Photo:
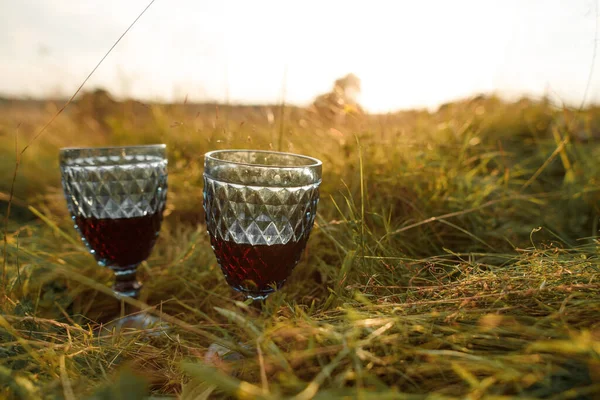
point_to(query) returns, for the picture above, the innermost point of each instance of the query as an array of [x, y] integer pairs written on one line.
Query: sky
[[406, 53]]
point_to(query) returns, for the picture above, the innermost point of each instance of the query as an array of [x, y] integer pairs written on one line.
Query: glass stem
[[126, 284], [258, 304]]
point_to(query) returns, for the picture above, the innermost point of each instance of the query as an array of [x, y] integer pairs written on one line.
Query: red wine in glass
[[257, 270], [120, 242]]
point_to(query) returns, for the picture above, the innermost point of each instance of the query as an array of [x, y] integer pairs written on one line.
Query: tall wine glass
[[260, 207], [116, 197]]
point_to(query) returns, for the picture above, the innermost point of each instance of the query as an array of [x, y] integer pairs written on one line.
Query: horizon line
[[508, 98]]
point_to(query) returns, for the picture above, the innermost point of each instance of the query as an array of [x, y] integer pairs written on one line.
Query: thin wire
[[87, 78]]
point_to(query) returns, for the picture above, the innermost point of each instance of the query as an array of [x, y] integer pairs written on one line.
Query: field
[[455, 255]]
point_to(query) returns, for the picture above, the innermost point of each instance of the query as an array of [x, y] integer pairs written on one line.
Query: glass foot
[[141, 322], [226, 359], [217, 353]]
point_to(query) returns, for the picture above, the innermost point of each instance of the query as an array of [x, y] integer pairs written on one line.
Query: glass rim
[[103, 148], [315, 161]]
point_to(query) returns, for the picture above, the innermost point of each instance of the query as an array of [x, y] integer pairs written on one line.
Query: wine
[[120, 242], [255, 269]]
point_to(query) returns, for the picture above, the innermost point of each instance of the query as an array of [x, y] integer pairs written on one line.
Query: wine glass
[[260, 207], [116, 197]]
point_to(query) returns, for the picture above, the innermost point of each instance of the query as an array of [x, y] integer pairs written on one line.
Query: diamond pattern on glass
[[259, 215], [115, 191], [260, 208]]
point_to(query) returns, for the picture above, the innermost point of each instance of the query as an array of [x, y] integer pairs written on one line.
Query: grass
[[455, 255]]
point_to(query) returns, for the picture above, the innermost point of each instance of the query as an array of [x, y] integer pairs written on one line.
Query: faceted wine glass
[[116, 197], [260, 207]]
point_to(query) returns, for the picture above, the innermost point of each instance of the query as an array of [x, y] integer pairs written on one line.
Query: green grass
[[455, 255]]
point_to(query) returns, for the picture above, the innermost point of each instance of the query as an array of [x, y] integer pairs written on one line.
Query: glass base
[[257, 295], [224, 358], [217, 353], [140, 322]]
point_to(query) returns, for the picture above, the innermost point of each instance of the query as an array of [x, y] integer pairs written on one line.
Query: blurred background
[[407, 54]]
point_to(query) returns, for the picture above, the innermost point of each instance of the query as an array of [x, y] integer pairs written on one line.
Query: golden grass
[[455, 255]]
